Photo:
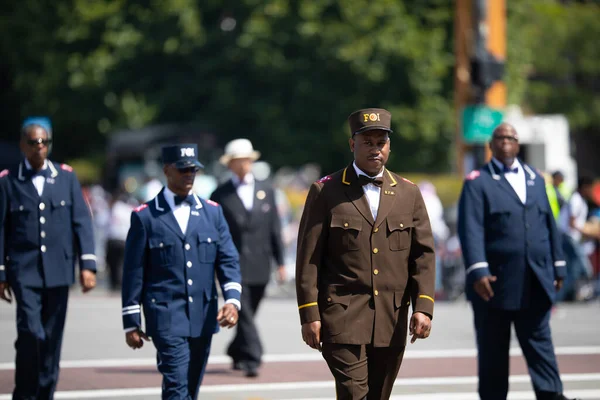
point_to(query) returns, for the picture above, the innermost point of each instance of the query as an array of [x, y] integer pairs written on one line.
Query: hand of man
[[311, 334], [420, 326], [483, 287], [5, 292], [228, 316], [558, 283], [135, 339], [281, 274], [87, 279]]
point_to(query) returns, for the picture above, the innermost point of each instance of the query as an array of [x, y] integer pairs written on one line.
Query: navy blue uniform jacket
[[501, 236], [171, 276], [39, 236]]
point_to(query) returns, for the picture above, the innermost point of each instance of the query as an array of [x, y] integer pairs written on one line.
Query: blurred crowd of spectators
[[577, 216]]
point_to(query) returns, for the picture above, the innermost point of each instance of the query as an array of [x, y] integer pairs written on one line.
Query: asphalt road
[[97, 364]]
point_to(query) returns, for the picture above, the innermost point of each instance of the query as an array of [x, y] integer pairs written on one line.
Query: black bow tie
[[508, 170], [31, 173], [180, 199], [365, 180]]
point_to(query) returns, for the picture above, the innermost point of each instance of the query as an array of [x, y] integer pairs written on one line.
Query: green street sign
[[478, 123]]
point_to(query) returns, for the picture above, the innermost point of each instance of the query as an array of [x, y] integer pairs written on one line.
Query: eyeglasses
[[502, 137], [187, 170], [33, 142]]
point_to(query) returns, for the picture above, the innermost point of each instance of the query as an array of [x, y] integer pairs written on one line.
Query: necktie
[[508, 170], [180, 199], [365, 180]]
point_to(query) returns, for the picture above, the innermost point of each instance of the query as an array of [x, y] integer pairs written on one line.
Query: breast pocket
[[162, 252], [61, 209], [399, 230], [20, 216], [498, 219], [207, 247], [345, 231]]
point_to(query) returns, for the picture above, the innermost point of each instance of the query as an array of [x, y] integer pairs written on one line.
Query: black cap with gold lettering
[[370, 119]]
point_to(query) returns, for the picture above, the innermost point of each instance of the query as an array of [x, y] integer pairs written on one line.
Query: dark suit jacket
[[501, 236], [41, 236], [357, 275], [256, 233]]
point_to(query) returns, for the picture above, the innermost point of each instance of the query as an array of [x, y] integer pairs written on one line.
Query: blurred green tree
[[283, 73]]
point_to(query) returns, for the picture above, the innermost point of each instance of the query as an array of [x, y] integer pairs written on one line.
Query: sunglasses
[[502, 137], [33, 142], [187, 170]]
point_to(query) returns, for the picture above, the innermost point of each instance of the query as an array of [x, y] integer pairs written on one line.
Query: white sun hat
[[239, 148]]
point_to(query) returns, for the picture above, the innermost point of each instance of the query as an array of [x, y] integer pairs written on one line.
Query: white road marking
[[282, 386], [299, 357]]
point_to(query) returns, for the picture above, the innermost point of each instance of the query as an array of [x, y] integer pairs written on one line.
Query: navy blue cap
[[182, 155]]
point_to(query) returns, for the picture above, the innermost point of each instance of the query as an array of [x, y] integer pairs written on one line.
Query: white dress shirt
[[517, 181], [181, 211], [38, 180], [373, 192], [245, 190]]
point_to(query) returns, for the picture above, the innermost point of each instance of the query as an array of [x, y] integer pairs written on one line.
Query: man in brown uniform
[[365, 250]]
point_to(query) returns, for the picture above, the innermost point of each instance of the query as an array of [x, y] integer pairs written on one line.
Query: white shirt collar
[[248, 179], [515, 164], [28, 165], [360, 172]]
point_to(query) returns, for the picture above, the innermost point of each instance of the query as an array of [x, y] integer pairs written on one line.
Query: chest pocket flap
[[61, 203], [346, 229], [161, 250], [207, 246], [399, 230], [346, 222]]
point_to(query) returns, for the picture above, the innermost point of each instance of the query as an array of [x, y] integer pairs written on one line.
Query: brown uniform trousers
[[358, 277]]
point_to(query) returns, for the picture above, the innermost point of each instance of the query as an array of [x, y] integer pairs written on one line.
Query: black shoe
[[251, 372], [562, 397], [552, 396], [237, 365]]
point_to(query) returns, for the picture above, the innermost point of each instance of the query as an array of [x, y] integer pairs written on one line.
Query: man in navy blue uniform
[[514, 266], [175, 245], [44, 221]]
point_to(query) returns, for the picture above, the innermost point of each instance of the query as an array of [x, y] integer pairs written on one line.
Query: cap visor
[[373, 128], [188, 163]]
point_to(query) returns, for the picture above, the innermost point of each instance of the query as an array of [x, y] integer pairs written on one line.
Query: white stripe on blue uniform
[[232, 286], [477, 265]]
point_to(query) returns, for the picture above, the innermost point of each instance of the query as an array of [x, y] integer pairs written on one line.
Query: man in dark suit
[[174, 247], [514, 266], [251, 212], [365, 251], [44, 220]]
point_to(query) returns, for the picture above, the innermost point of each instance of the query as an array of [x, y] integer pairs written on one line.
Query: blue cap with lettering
[[182, 155]]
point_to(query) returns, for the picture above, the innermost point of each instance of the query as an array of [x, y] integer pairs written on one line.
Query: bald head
[[505, 143], [505, 127]]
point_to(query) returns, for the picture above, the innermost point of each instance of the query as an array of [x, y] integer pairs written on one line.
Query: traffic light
[[485, 70]]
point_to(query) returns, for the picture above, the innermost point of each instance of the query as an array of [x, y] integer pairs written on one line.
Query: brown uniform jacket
[[357, 275]]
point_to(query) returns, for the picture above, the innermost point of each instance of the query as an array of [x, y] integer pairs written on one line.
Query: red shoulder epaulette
[[66, 167], [325, 179], [140, 208], [4, 173], [212, 203], [407, 180], [473, 175]]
